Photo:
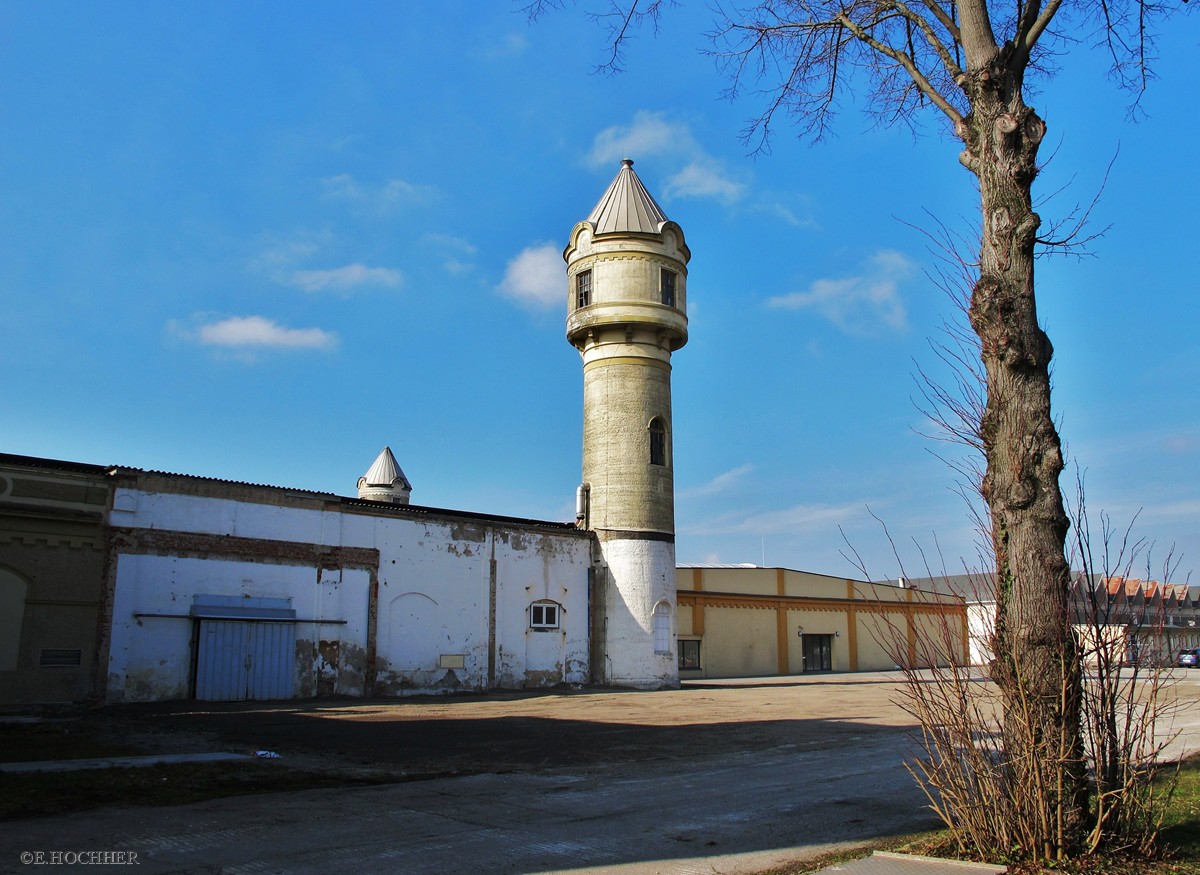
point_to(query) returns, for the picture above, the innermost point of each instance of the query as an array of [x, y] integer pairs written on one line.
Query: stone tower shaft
[[627, 280]]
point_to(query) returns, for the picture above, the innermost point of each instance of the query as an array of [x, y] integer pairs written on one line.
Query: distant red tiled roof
[[1135, 587]]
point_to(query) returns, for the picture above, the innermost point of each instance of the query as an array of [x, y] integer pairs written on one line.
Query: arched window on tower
[[658, 441], [662, 627]]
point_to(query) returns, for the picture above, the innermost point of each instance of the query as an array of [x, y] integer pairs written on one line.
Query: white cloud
[[1180, 444], [511, 45], [280, 260], [704, 177], [281, 253], [536, 276], [457, 252], [721, 483], [450, 242], [693, 172], [862, 304], [649, 134], [690, 170], [393, 193], [248, 333], [773, 206], [789, 520], [343, 279]]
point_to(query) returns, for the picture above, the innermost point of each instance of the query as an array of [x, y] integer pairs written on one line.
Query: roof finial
[[627, 206]]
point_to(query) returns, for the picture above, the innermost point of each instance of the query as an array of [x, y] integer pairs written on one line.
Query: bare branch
[[857, 561], [906, 62], [923, 24], [1028, 34], [946, 20], [1074, 241]]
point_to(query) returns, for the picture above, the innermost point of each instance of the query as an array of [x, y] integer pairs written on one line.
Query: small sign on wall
[[452, 660]]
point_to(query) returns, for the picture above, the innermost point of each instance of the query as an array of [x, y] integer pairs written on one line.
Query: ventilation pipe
[[582, 494]]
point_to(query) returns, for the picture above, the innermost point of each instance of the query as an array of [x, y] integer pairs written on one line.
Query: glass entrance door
[[818, 653]]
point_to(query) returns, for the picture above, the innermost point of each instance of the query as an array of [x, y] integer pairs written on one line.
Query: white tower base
[[639, 613]]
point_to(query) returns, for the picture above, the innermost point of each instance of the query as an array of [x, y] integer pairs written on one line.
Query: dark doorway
[[818, 653]]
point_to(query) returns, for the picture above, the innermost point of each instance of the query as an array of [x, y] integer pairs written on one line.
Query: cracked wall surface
[[384, 601]]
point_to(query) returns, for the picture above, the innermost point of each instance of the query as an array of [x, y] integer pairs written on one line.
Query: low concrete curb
[[887, 863]]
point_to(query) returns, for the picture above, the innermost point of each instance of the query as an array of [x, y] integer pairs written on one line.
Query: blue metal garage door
[[245, 659], [246, 649]]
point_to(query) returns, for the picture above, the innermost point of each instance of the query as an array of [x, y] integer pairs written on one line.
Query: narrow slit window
[[658, 442], [583, 288], [668, 287]]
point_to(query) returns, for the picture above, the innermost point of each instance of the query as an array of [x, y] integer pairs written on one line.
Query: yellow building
[[746, 621]]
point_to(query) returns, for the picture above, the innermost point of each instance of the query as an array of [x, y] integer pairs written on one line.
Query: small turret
[[384, 481]]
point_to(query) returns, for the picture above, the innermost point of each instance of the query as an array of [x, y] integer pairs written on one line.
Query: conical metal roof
[[627, 207], [386, 472]]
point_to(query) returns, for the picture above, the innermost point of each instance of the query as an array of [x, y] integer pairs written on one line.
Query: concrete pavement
[[739, 815], [689, 785]]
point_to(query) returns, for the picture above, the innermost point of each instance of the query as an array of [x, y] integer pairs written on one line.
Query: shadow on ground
[[383, 734]]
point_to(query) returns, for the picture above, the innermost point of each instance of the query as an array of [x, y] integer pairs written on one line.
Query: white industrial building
[[230, 591]]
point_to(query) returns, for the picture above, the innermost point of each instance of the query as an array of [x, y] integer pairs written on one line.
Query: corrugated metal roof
[[52, 464], [380, 508], [976, 588], [375, 507], [129, 471], [386, 472], [627, 207]]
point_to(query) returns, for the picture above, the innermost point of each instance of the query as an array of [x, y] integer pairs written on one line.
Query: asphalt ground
[[724, 777], [570, 728]]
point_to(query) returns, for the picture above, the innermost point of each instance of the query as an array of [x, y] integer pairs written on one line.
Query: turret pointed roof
[[627, 207], [386, 472]]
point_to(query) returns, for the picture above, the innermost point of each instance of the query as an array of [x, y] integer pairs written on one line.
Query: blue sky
[[259, 242]]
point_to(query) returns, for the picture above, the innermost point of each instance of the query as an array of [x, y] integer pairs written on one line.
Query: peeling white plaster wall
[[150, 658], [434, 625]]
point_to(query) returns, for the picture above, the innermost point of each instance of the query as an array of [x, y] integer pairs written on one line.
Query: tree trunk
[[1035, 665]]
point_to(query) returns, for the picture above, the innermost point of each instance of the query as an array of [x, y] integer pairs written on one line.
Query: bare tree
[[967, 62]]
